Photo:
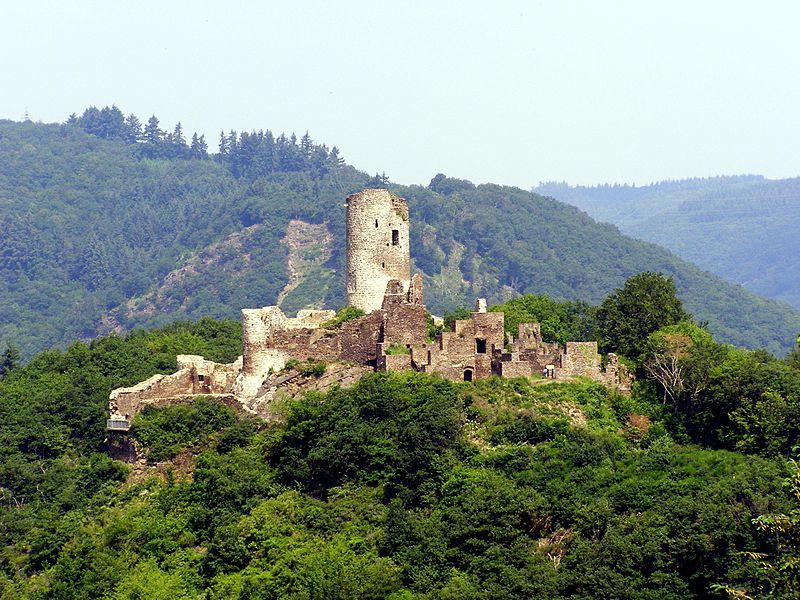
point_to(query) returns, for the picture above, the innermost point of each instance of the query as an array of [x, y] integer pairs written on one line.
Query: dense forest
[[410, 486], [742, 228], [109, 222]]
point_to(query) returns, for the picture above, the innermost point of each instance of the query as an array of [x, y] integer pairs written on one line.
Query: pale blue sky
[[508, 92]]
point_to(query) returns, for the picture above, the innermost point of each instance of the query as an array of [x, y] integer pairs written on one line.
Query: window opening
[[480, 346], [467, 374], [395, 237]]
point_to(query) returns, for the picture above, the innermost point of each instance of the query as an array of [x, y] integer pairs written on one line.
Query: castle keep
[[392, 335], [377, 247]]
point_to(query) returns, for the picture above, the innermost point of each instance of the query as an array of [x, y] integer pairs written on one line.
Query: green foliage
[[313, 369], [387, 429], [9, 360], [396, 349], [560, 321], [165, 431], [458, 314], [348, 313], [793, 359], [432, 329], [404, 485], [646, 303], [740, 227]]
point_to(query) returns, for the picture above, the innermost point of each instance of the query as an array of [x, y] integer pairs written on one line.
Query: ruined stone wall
[[580, 359], [304, 344], [403, 323], [394, 362], [359, 339], [488, 326], [514, 369], [470, 347], [377, 247], [616, 374], [207, 376], [265, 332], [195, 376]]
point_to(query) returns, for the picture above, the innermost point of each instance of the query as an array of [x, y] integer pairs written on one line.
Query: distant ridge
[[743, 228]]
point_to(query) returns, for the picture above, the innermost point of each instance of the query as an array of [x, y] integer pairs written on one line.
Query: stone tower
[[377, 247]]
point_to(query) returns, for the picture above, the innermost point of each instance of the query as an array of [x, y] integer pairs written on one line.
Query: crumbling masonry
[[392, 335]]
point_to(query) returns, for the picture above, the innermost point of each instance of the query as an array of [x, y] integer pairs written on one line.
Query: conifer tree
[[132, 131], [153, 138], [9, 359], [223, 144]]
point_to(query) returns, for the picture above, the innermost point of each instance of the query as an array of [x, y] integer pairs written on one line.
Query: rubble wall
[[580, 359]]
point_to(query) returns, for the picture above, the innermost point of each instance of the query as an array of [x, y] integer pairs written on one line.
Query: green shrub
[[313, 369], [396, 349], [348, 313], [166, 430]]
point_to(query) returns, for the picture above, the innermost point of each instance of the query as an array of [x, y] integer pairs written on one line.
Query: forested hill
[[107, 225], [742, 228]]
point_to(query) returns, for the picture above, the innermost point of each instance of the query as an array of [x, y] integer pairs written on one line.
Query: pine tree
[[132, 132], [152, 132], [176, 143], [335, 159], [306, 146], [153, 138], [9, 359], [223, 144], [198, 148]]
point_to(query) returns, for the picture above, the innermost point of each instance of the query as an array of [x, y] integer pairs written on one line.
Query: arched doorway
[[467, 374]]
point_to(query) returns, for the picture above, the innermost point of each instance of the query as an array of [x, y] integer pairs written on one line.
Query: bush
[[166, 430], [348, 313]]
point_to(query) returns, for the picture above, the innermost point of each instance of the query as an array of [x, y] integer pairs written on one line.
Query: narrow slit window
[[376, 223], [395, 237]]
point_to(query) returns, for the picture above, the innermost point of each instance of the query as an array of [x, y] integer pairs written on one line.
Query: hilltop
[[742, 228], [100, 233]]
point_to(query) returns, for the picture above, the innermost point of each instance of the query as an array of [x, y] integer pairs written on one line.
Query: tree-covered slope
[[742, 228], [402, 486], [111, 230]]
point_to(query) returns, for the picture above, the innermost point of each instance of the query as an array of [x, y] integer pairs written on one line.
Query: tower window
[[376, 223], [480, 346], [395, 237], [383, 265]]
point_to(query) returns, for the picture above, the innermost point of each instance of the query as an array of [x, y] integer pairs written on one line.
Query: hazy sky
[[508, 92]]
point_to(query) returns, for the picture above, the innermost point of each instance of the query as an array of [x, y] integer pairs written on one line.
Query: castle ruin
[[392, 334]]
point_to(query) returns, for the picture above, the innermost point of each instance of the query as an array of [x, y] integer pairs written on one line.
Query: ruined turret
[[377, 247]]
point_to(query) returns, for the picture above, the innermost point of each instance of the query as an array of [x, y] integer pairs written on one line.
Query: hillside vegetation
[[742, 228], [106, 225], [407, 485]]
